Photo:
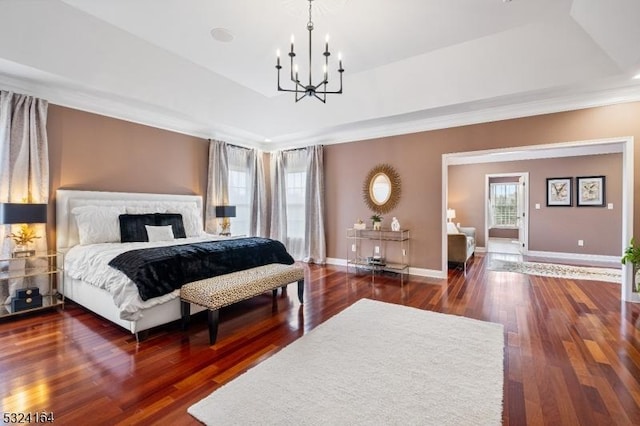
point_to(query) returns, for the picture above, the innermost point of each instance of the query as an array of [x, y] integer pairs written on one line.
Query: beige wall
[[418, 159], [94, 152], [89, 151], [552, 229]]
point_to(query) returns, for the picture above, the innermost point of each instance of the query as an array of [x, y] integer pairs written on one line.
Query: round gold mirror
[[381, 188]]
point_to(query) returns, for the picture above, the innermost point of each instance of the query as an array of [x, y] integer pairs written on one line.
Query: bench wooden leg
[[301, 290], [185, 313], [213, 325]]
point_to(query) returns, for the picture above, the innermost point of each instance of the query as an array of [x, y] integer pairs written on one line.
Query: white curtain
[[217, 184], [258, 224], [278, 227], [297, 216], [315, 246], [249, 191], [24, 161]]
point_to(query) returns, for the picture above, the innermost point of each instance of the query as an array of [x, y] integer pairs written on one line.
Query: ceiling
[[410, 65]]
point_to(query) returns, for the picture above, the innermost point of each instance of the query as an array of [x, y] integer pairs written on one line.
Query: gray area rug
[[559, 271], [374, 363]]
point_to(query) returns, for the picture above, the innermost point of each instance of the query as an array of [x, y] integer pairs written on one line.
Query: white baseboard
[[574, 256], [480, 249], [335, 261], [419, 272]]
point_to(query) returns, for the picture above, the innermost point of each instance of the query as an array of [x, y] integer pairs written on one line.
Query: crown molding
[[90, 100]]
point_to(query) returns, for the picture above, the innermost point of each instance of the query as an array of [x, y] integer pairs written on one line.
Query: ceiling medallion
[[319, 91]]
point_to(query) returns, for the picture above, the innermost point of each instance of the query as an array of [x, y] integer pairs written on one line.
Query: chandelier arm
[[324, 101]]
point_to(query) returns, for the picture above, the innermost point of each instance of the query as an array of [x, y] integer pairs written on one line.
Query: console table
[[378, 250]]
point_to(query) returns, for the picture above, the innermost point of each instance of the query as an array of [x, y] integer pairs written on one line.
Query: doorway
[[624, 145], [507, 212]]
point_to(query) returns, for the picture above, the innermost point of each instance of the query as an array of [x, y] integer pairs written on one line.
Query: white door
[[522, 211]]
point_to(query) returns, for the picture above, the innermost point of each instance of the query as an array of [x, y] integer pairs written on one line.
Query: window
[[239, 197], [504, 204], [295, 183], [239, 189]]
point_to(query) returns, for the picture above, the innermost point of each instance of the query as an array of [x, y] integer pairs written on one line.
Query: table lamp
[[225, 212], [451, 214], [23, 214]]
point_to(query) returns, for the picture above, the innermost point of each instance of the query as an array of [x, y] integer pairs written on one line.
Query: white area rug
[[374, 363], [559, 271]]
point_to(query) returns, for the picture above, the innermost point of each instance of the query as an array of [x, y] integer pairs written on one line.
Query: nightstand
[[31, 283]]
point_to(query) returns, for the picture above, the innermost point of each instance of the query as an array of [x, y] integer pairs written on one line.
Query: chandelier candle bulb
[[292, 38], [326, 44]]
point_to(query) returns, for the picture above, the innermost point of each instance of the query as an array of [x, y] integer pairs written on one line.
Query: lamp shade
[[451, 213], [11, 213], [225, 211]]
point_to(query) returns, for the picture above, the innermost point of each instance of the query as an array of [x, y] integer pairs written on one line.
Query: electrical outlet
[[353, 247], [580, 243], [376, 250]]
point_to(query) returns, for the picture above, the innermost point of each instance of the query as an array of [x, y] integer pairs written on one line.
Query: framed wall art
[[559, 192], [590, 191]]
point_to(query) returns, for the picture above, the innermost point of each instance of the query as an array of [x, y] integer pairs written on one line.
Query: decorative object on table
[[23, 214], [225, 212], [591, 191], [381, 188], [451, 214], [26, 298], [360, 225], [395, 225], [301, 90], [632, 256], [376, 219], [559, 192], [376, 261]]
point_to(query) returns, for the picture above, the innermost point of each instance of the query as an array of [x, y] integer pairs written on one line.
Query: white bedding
[[90, 263]]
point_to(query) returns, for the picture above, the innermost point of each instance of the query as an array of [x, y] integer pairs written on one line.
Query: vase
[[376, 226], [22, 250]]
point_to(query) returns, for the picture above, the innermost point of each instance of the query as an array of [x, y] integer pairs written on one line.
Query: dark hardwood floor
[[572, 348]]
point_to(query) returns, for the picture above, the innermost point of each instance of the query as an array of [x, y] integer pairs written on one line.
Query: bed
[[86, 237]]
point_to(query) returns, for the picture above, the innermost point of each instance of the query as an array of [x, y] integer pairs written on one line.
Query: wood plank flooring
[[572, 348]]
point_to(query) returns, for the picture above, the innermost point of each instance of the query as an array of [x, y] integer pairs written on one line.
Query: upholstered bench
[[217, 292]]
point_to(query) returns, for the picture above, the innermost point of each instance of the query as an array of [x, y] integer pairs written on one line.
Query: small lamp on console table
[[451, 214], [23, 214], [225, 212]]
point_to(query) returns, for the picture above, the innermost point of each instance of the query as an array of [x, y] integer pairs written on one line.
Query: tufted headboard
[[67, 200]]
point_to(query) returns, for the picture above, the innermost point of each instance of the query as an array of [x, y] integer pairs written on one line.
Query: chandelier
[[319, 91]]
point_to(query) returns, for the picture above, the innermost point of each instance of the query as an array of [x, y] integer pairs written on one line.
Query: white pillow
[[159, 233], [98, 224], [191, 218], [452, 228]]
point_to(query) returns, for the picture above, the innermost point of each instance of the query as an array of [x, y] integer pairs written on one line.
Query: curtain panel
[[298, 215], [217, 184], [24, 165], [224, 157]]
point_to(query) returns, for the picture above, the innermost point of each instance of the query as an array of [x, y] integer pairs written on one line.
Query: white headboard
[[66, 199]]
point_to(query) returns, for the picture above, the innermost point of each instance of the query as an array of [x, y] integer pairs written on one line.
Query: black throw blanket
[[160, 270]]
